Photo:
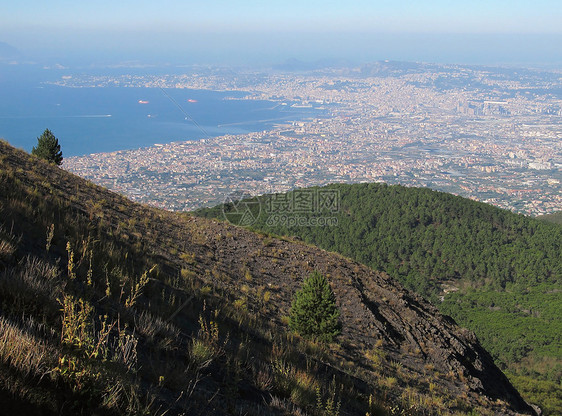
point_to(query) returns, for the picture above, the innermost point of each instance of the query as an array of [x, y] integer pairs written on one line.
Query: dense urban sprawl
[[490, 134]]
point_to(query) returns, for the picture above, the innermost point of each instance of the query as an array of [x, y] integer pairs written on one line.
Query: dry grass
[[6, 250], [263, 377], [157, 332], [31, 275], [22, 350], [298, 384], [31, 287], [286, 406]]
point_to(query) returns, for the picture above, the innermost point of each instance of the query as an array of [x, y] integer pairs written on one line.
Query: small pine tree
[[314, 313], [48, 148]]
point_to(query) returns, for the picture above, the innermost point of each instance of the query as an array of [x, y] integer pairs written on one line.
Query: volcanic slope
[[495, 272], [112, 307]]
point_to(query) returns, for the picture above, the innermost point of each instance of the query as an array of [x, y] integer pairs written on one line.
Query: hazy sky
[[273, 29]]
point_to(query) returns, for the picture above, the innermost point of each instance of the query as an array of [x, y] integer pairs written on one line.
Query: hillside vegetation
[[495, 272], [555, 218], [110, 307]]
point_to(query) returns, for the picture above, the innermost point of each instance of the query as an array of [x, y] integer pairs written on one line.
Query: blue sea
[[106, 119]]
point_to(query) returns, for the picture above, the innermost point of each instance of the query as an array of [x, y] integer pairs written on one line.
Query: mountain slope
[[120, 308], [555, 217], [8, 52], [495, 272]]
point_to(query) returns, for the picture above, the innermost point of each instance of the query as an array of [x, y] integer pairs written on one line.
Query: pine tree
[[48, 148], [314, 313]]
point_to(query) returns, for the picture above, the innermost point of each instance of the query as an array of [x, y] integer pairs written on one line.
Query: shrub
[[314, 313]]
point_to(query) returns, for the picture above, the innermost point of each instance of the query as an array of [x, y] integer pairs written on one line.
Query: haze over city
[[255, 32]]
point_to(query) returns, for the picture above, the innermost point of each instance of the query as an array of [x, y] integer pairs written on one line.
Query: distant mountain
[[397, 68], [495, 272], [111, 307], [296, 65], [374, 69], [8, 52]]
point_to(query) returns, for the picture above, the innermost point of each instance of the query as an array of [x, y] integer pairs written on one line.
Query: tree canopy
[[314, 312], [48, 148]]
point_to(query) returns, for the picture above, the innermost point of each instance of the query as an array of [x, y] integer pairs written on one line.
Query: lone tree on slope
[[48, 148], [314, 313]]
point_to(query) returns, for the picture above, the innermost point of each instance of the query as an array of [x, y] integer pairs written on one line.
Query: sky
[[273, 30]]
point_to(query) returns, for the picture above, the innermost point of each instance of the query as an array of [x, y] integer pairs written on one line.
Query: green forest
[[495, 272], [555, 217]]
